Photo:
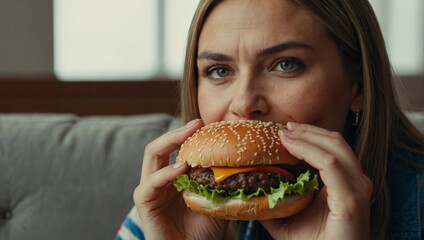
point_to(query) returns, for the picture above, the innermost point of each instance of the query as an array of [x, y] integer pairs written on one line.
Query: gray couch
[[68, 177]]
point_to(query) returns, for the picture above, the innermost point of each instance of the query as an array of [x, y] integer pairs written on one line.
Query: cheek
[[320, 106], [209, 108], [203, 102], [303, 106], [203, 105]]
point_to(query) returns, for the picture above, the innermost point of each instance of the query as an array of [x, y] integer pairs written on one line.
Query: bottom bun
[[254, 209]]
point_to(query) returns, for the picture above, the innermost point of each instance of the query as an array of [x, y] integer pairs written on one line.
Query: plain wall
[[26, 37]]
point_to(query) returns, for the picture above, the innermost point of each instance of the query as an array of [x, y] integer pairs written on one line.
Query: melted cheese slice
[[222, 173]]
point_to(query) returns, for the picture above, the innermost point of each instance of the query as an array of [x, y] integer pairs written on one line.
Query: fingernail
[[178, 164], [191, 123], [285, 135], [292, 125]]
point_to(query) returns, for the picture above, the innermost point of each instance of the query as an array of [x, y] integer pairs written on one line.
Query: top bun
[[235, 144]]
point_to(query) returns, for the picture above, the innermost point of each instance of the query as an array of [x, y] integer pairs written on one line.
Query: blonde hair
[[188, 85], [353, 26]]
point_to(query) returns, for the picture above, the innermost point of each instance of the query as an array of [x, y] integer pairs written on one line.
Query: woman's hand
[[341, 209], [160, 206]]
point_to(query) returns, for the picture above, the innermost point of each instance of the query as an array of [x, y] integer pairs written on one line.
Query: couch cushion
[[69, 177]]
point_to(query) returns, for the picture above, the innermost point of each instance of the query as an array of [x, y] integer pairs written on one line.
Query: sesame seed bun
[[254, 209], [235, 144]]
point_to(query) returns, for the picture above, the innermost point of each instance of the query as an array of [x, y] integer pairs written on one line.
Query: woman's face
[[272, 61]]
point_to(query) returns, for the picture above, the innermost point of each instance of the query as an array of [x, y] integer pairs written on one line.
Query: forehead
[[268, 22]]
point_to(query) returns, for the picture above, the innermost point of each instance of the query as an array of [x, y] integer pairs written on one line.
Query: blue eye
[[219, 72], [288, 65]]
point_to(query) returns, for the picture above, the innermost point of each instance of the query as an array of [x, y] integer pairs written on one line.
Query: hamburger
[[239, 170]]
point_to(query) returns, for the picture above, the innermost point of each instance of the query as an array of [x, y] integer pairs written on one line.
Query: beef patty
[[249, 181]]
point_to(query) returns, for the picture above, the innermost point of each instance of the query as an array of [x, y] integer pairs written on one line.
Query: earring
[[356, 121]]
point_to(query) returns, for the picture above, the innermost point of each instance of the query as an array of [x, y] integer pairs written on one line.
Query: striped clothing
[[131, 228]]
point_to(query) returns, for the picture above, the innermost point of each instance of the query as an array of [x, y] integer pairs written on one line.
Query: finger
[[331, 142], [332, 171], [334, 144], [320, 133], [293, 126], [153, 186], [156, 155], [314, 156], [346, 189]]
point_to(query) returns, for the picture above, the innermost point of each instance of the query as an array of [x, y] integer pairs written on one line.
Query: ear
[[357, 103]]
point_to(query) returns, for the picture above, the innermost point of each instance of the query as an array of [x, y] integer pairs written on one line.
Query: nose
[[249, 101]]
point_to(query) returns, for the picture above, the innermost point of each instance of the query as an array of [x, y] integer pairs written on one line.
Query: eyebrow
[[214, 56], [284, 46], [262, 53]]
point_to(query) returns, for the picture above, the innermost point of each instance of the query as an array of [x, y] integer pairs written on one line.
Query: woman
[[320, 67]]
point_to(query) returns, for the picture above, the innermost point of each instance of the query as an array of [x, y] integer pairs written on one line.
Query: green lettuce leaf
[[303, 184]]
